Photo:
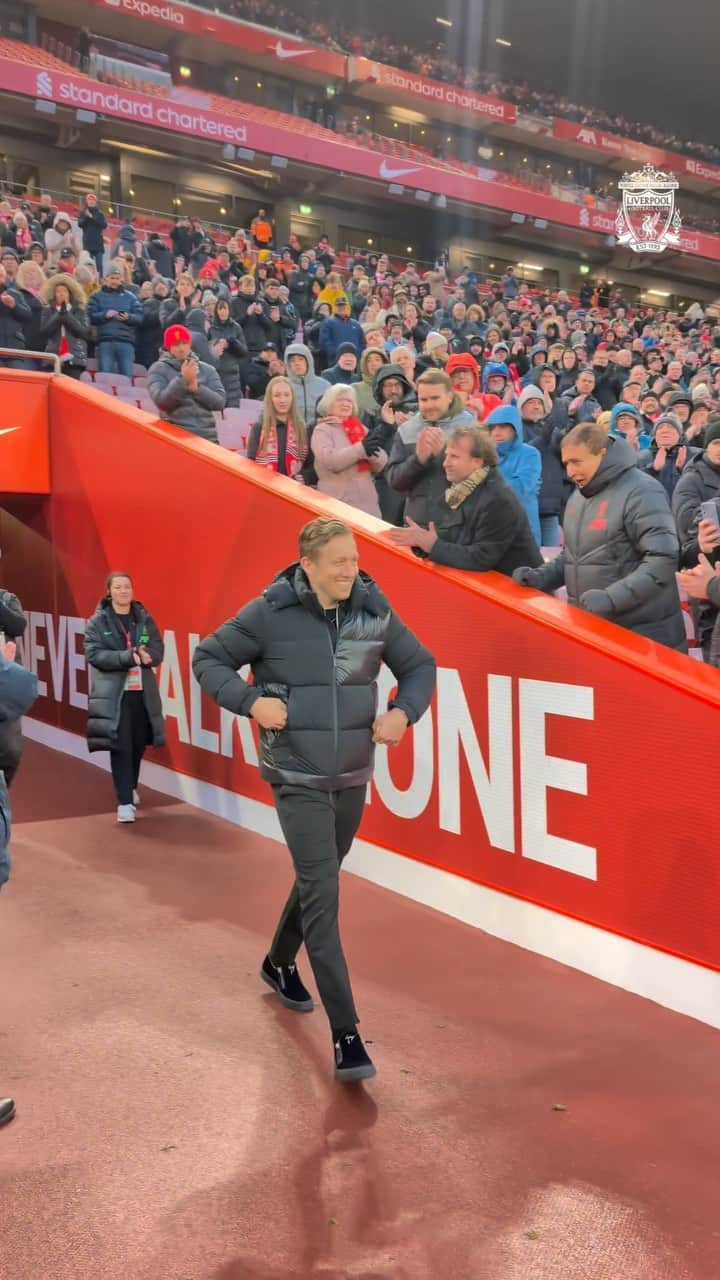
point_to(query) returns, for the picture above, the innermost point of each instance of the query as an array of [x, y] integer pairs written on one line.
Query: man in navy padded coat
[[315, 641]]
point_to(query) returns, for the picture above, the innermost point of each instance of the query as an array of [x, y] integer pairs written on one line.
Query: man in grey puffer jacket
[[415, 467], [308, 386], [621, 547], [315, 641], [187, 391]]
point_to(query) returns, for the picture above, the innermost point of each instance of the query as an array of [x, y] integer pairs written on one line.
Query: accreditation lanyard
[[133, 680]]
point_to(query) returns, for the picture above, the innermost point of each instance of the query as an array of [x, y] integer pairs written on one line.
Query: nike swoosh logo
[[387, 172], [282, 52], [7, 430]]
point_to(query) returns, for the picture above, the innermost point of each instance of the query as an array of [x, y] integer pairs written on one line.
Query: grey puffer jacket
[[18, 691], [620, 538], [328, 684], [310, 388], [109, 661], [191, 410], [423, 483]]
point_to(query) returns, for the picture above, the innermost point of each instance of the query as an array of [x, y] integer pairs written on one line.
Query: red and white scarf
[[354, 431], [293, 458]]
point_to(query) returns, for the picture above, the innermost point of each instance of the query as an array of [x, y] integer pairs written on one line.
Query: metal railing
[[14, 354]]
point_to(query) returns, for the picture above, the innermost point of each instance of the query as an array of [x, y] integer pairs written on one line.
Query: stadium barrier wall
[[564, 764]]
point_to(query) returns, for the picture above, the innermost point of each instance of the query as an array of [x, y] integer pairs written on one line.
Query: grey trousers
[[319, 828]]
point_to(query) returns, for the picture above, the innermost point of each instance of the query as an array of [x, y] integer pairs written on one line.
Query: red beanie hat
[[176, 333], [463, 360]]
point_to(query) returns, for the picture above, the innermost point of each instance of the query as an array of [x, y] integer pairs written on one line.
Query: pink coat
[[336, 464]]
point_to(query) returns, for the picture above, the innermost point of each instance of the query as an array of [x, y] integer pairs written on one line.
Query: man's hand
[[389, 728], [527, 577], [189, 371], [387, 413], [576, 404], [414, 535], [110, 315], [597, 602], [708, 536], [7, 299], [9, 650], [423, 450], [437, 440], [681, 458], [660, 460], [270, 713], [694, 582]]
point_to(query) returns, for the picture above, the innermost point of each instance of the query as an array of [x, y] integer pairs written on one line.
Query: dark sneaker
[[285, 982], [352, 1061], [7, 1110]]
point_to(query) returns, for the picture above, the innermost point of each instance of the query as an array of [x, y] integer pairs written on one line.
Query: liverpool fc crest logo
[[648, 221]]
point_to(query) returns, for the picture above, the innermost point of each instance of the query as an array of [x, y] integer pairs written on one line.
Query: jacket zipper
[[334, 665]]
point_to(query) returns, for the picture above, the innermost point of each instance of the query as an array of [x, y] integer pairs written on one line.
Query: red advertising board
[[633, 152], [24, 446], [609, 143], [204, 116], [245, 36], [536, 769], [409, 85], [697, 168]]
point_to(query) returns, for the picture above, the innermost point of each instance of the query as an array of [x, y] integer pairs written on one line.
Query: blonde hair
[[326, 404], [270, 418], [316, 535], [31, 277]]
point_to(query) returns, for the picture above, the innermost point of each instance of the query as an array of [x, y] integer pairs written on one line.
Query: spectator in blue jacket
[[543, 428], [117, 314], [579, 400], [519, 464], [627, 422], [340, 328], [668, 453]]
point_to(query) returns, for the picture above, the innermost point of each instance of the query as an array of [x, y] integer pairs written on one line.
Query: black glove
[[597, 602], [371, 443], [528, 577]]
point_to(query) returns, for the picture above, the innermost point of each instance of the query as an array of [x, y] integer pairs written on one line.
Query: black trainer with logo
[[287, 985], [352, 1061]]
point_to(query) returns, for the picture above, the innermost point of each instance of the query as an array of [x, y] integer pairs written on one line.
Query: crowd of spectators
[[436, 65], [478, 417]]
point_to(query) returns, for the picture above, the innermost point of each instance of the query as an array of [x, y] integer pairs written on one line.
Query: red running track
[[175, 1123]]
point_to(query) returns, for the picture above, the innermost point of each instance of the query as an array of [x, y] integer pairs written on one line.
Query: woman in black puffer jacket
[[122, 645], [228, 345], [64, 328]]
